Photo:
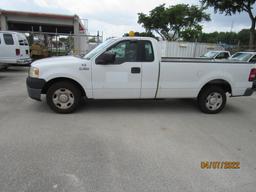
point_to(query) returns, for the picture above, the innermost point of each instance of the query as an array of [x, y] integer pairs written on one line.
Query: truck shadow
[[139, 105], [170, 105], [144, 106], [15, 69]]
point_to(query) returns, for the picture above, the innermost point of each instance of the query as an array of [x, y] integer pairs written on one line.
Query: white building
[[48, 24]]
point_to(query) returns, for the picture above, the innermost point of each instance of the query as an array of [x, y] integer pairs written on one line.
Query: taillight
[[17, 52], [252, 75]]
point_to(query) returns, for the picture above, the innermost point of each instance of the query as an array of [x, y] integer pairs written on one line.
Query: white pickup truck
[[131, 68]]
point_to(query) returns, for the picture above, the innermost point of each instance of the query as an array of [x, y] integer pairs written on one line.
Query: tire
[[63, 97], [212, 100]]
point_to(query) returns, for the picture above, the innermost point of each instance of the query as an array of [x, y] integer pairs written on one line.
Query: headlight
[[34, 72]]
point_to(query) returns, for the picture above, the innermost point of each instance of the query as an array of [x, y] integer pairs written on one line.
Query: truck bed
[[182, 77]]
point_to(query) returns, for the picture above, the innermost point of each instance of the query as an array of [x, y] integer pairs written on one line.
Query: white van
[[14, 49]]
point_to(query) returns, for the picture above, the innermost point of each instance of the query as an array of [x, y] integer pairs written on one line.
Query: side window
[[147, 52], [220, 56], [125, 51], [8, 39], [253, 60], [226, 55]]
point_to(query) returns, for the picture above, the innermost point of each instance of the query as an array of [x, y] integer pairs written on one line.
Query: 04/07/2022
[[220, 165]]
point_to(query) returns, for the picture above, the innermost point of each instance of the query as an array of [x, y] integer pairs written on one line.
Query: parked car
[[244, 56], [132, 68], [247, 57], [14, 49], [216, 55]]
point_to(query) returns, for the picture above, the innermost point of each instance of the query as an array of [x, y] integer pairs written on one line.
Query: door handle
[[135, 70]]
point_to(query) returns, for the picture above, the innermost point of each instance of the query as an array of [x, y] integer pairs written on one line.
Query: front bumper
[[34, 87], [26, 61]]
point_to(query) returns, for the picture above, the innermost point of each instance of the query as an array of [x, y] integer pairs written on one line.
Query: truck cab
[[125, 68]]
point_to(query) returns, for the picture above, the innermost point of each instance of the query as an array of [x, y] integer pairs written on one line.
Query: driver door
[[121, 78]]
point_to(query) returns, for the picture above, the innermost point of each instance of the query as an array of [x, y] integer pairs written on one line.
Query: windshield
[[210, 54], [101, 46], [241, 56]]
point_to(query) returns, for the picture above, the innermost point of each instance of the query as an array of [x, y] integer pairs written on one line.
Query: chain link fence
[[43, 44]]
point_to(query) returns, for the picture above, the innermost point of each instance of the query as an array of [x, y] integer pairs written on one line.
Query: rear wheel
[[212, 100], [63, 97]]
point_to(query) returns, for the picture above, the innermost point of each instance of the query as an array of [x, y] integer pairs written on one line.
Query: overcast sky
[[116, 17]]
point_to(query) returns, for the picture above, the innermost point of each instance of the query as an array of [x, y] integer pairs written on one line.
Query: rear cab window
[[146, 51], [8, 39]]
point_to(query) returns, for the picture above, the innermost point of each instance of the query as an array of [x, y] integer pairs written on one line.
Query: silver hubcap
[[63, 98], [214, 101]]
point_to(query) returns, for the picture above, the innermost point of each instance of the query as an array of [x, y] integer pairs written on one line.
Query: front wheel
[[63, 97], [212, 100]]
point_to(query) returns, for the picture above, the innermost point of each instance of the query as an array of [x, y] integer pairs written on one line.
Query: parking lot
[[115, 146]]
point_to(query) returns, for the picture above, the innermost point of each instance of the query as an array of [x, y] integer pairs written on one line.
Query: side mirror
[[106, 58]]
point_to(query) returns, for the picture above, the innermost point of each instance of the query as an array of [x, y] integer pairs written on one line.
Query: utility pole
[[232, 26]]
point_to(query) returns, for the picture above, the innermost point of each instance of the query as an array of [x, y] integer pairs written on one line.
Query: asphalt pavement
[[122, 146]]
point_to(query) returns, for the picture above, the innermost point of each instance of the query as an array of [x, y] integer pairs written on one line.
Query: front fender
[[69, 71], [85, 85]]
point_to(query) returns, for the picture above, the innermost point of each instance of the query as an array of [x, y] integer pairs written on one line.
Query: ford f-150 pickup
[[132, 68]]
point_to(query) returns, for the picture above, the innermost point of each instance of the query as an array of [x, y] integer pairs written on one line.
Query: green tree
[[244, 36], [142, 34], [230, 38], [171, 22], [192, 34], [230, 7], [145, 34], [92, 40], [209, 37]]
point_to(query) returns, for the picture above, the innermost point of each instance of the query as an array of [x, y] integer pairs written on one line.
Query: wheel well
[[52, 81], [219, 83]]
